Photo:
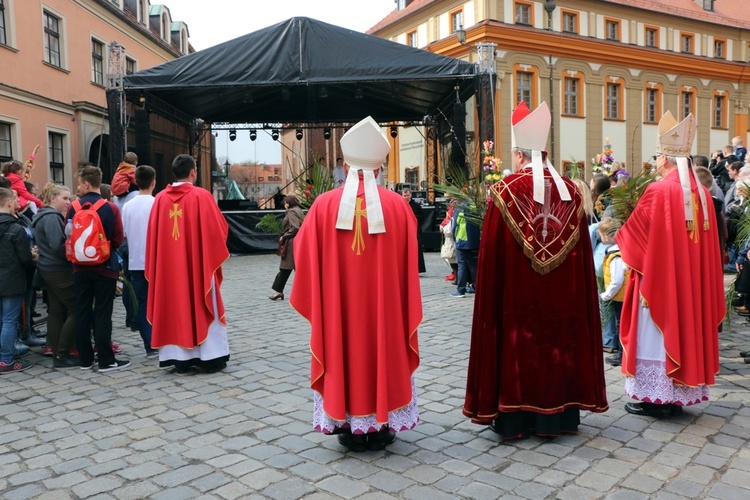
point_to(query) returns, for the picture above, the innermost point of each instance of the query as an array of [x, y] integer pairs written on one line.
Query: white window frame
[[62, 37], [98, 40], [66, 153]]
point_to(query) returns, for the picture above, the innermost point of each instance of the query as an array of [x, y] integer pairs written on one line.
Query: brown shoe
[[277, 296]]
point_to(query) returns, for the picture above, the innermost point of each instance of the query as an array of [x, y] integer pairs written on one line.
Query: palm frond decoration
[[269, 223], [623, 199], [318, 180], [469, 193]]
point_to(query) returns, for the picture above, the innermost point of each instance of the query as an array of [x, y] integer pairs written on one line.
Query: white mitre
[[676, 139], [529, 130], [365, 148]]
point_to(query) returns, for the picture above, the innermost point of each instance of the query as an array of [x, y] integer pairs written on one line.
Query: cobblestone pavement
[[246, 432]]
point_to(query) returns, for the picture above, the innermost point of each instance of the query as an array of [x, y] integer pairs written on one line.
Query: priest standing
[[535, 356], [185, 248], [357, 283], [674, 300]]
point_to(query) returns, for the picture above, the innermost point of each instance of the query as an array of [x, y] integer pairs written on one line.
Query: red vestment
[[678, 274], [536, 339], [361, 294], [185, 247]]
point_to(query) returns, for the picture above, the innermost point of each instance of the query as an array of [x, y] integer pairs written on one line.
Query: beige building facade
[[55, 56], [616, 66]]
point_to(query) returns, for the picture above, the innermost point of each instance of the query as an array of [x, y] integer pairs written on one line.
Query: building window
[[6, 146], [572, 94], [97, 62], [3, 34], [411, 39], [651, 37], [56, 158], [570, 21], [457, 20], [687, 102], [524, 12], [652, 104], [130, 66], [401, 4], [524, 88], [411, 176], [52, 40], [719, 48], [708, 5], [686, 43], [614, 100], [719, 111], [612, 29]]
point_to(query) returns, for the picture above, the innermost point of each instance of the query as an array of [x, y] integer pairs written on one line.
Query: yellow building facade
[[615, 67]]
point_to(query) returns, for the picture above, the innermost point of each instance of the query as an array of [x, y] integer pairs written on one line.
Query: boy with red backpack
[[94, 232]]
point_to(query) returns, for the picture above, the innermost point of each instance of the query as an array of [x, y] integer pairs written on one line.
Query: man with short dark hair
[[135, 217], [95, 285], [185, 248]]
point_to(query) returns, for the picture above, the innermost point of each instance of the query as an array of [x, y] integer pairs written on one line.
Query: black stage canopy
[[306, 71]]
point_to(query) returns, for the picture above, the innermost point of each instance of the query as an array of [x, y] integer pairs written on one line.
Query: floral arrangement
[[472, 193], [490, 166], [316, 180], [29, 165], [602, 163]]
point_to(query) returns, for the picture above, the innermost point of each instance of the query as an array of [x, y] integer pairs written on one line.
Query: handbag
[[281, 250], [742, 284]]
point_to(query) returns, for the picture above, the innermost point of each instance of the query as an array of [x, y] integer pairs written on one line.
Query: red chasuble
[[185, 247], [678, 274], [361, 294], [536, 341]]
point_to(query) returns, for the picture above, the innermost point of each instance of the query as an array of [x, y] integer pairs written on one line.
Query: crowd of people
[[358, 258], [78, 249]]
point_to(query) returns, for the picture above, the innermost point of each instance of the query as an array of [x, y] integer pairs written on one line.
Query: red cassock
[[185, 247], [536, 337], [678, 274], [361, 294]]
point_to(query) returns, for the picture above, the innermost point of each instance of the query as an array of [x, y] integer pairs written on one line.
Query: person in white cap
[[674, 300], [535, 356], [357, 284]]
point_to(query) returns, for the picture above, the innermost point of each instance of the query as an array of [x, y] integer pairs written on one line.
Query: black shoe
[[653, 410], [66, 362], [745, 354], [214, 367], [379, 440], [615, 359], [355, 442], [747, 360], [118, 364], [32, 340]]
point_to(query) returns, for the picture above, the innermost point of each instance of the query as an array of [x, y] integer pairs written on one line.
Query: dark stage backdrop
[[245, 239]]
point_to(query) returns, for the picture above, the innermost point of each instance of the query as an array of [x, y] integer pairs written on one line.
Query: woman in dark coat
[[289, 227]]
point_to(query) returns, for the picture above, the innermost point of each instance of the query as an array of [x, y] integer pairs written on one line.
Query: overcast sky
[[211, 22]]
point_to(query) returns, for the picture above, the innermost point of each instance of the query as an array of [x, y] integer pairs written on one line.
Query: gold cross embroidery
[[358, 244], [675, 135], [694, 233], [174, 214]]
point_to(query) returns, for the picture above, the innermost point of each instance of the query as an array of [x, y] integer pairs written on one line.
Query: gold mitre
[[676, 139]]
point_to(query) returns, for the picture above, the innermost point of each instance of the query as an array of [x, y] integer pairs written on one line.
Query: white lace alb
[[652, 385], [402, 419]]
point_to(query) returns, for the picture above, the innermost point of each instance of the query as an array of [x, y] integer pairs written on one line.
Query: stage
[[244, 238]]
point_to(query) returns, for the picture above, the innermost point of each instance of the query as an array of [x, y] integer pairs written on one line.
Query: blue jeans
[[467, 268], [611, 330], [140, 288], [10, 309]]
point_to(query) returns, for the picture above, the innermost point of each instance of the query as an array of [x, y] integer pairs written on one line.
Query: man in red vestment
[[674, 300], [535, 357], [357, 283], [185, 247]]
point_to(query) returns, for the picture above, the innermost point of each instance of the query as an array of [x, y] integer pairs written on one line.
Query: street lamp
[[227, 165], [550, 7]]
